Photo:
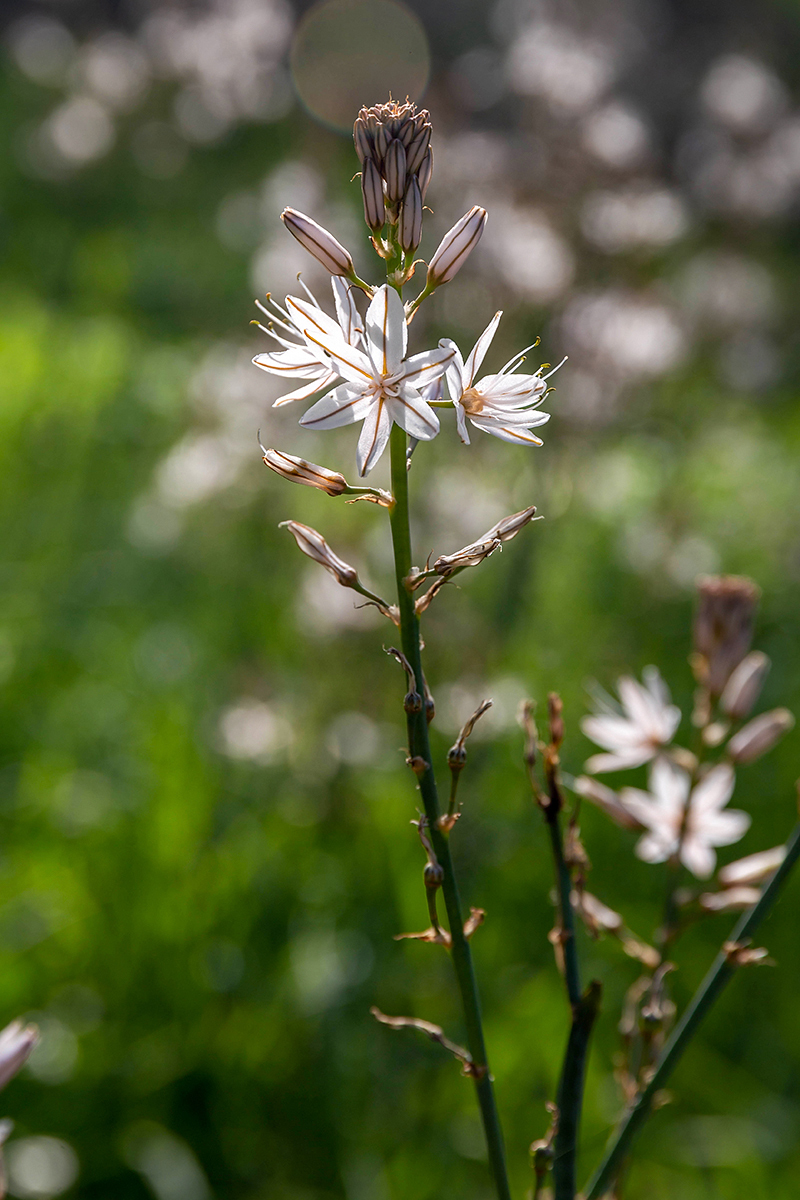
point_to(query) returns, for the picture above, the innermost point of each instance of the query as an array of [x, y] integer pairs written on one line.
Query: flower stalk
[[419, 750], [719, 975]]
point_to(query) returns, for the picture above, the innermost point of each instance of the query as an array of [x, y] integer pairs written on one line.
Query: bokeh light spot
[[347, 53]]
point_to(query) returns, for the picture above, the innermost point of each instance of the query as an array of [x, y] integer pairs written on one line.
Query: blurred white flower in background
[[533, 259], [253, 730], [567, 70], [632, 336], [639, 217], [40, 1167], [636, 731], [617, 135], [743, 93]]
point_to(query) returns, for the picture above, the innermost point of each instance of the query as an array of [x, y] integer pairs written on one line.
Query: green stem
[[566, 913], [722, 970], [570, 1093], [419, 747]]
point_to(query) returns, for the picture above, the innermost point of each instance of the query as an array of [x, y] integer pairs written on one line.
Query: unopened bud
[[753, 869], [412, 702], [456, 247], [16, 1043], [760, 735], [735, 899], [456, 756], [744, 686], [606, 799], [394, 170], [723, 627], [372, 193], [319, 242], [425, 173], [409, 227], [361, 139], [314, 545], [308, 473], [418, 149]]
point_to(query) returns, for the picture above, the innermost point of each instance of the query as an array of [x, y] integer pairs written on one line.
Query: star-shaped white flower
[[382, 386], [672, 829], [504, 404], [637, 732], [300, 359]]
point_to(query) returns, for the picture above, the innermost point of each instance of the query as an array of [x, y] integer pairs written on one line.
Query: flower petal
[[478, 352], [387, 333], [413, 414], [343, 406], [669, 784], [422, 369], [307, 390], [324, 334], [349, 317], [724, 828], [698, 857], [505, 434], [373, 437], [652, 849], [713, 791]]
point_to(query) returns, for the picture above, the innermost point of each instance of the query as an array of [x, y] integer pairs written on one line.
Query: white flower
[[634, 735], [501, 404], [382, 386], [301, 359], [16, 1042], [684, 824]]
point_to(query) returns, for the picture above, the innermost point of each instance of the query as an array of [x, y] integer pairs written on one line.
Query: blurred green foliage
[[200, 935]]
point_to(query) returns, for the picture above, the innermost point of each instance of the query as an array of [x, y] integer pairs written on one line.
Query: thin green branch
[[566, 914], [718, 976], [419, 749], [570, 1093]]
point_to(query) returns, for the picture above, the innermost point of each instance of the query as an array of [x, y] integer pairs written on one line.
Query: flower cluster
[[683, 814], [359, 367]]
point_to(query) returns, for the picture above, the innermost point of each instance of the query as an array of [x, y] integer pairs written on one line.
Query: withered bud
[[314, 545], [723, 627], [412, 702], [759, 735], [744, 686], [555, 708], [457, 754], [298, 470], [753, 869], [740, 954], [433, 875], [476, 552]]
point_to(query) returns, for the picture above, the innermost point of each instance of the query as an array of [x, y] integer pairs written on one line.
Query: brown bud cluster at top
[[393, 144], [723, 628]]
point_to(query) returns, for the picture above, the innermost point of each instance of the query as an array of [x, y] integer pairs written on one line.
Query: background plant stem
[[419, 746], [719, 974]]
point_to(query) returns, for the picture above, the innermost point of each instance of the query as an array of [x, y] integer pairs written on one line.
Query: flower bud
[[607, 800], [425, 172], [319, 242], [736, 899], [743, 688], [409, 229], [723, 627], [456, 246], [753, 869], [314, 545], [760, 735], [299, 471], [433, 875], [381, 143], [418, 149], [16, 1043], [372, 193], [394, 170], [361, 139]]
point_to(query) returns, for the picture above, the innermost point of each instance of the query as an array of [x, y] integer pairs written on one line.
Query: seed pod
[[409, 230], [394, 170], [319, 242], [425, 172], [456, 247], [372, 193], [418, 149]]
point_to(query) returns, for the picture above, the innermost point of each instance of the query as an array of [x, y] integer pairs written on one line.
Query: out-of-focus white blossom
[[678, 822], [503, 404], [638, 731], [381, 385], [16, 1043], [753, 869]]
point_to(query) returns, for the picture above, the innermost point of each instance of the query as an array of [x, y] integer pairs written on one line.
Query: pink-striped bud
[[742, 689], [317, 241], [456, 247], [425, 172], [394, 170], [409, 227], [760, 735], [297, 470], [372, 193]]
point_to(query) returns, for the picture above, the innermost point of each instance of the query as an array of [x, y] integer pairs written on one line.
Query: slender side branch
[[718, 976], [420, 753]]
